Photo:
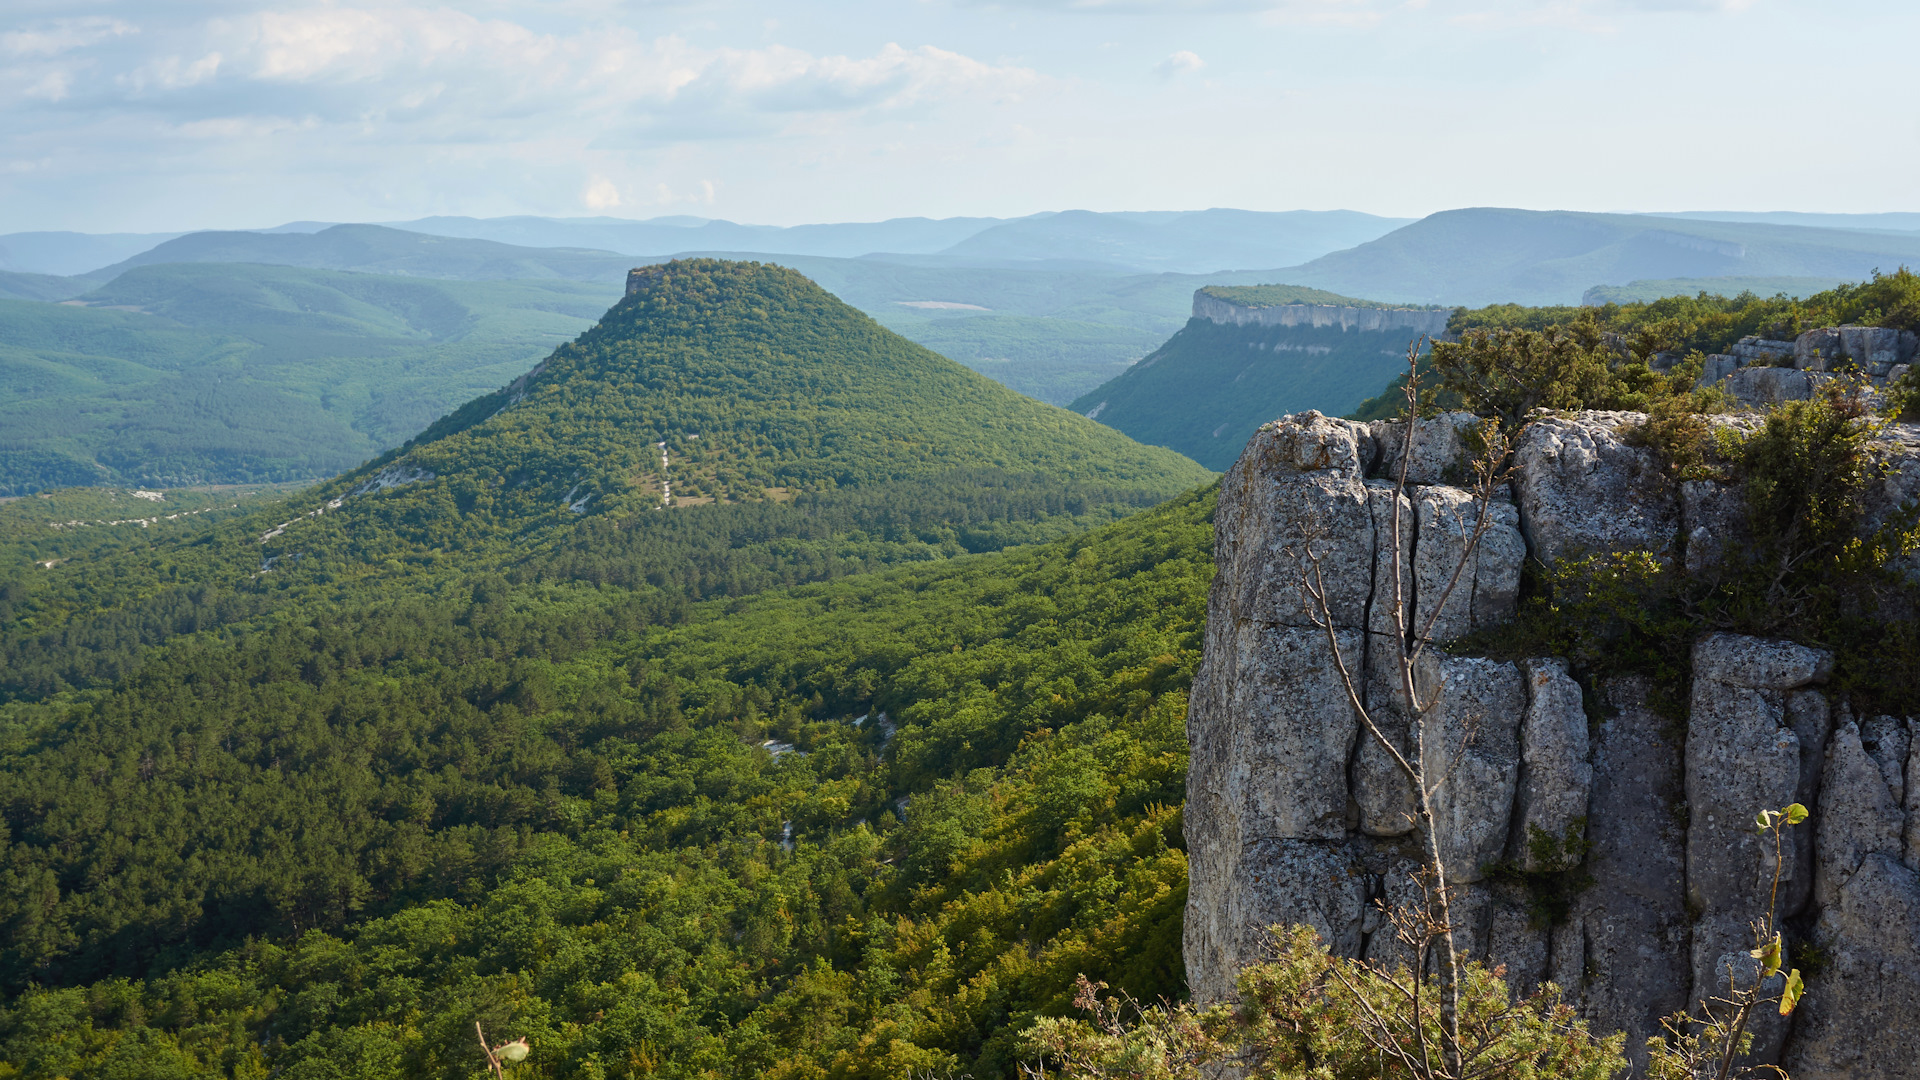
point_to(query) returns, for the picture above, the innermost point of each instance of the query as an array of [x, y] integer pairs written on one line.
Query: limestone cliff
[[1293, 815], [1432, 322]]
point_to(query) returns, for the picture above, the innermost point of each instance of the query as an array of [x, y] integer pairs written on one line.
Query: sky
[[167, 115]]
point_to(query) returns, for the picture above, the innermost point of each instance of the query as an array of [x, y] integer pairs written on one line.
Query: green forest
[[327, 848], [846, 758], [1703, 323], [200, 373], [1211, 386], [843, 760]]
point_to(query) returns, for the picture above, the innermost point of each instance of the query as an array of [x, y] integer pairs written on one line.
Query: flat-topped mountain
[[743, 382], [1250, 353]]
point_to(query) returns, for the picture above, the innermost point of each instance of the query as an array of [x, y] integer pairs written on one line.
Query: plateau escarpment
[[1597, 822], [1240, 306], [1253, 352]]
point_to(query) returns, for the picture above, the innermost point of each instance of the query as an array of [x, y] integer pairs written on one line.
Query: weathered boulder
[[1757, 350], [1443, 449], [1757, 387], [1718, 366], [1759, 663], [1556, 772], [1583, 490], [1261, 542], [1886, 740], [1713, 523], [1473, 751], [1273, 881], [1857, 817], [1487, 588], [1278, 769]]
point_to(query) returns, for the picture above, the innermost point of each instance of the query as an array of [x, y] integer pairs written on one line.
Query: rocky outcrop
[[1757, 373], [1295, 813], [1228, 313], [1585, 491]]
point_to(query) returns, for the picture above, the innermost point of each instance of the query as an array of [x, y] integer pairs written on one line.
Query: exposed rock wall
[[1756, 372], [1346, 318], [1296, 814]]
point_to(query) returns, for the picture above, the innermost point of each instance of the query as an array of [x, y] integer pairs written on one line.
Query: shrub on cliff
[[1307, 1013], [1597, 357]]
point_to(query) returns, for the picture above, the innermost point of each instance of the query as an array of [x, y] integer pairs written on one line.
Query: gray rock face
[[1227, 313], [1623, 955], [1274, 882], [1872, 349], [1442, 448], [1755, 350], [1758, 663], [1584, 491], [1556, 771], [1743, 755], [1473, 745], [1757, 387], [1718, 366], [1295, 814], [1713, 521], [1486, 589], [1861, 1014]]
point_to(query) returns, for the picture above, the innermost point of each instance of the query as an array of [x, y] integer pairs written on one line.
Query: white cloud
[[63, 36], [601, 194], [1179, 63], [1586, 15], [1308, 10], [449, 76]]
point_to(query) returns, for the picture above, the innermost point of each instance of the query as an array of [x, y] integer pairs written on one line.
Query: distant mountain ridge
[[192, 373], [1480, 256], [378, 250]]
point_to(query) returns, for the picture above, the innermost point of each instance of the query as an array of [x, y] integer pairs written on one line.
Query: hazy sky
[[176, 114]]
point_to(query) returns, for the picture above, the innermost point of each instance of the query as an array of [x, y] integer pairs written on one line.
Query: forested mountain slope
[[1238, 364], [802, 441], [867, 828]]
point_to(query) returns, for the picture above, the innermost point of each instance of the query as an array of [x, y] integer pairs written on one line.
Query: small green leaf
[[1796, 814], [1769, 956], [1764, 819], [1791, 995]]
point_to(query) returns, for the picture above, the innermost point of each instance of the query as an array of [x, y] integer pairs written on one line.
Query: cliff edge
[[1639, 902]]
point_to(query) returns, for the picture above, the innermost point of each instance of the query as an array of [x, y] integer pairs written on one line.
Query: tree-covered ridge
[[878, 452], [327, 850], [222, 373], [758, 378], [1682, 325], [1259, 296], [761, 386]]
